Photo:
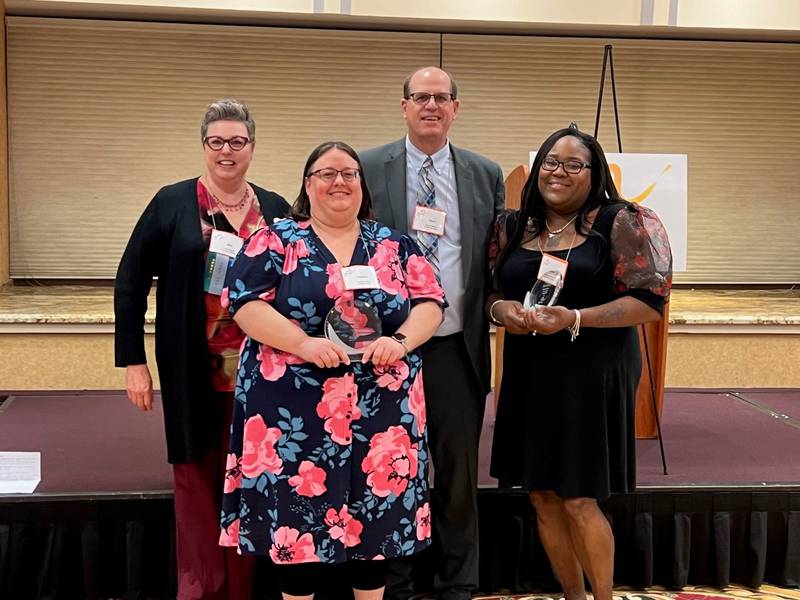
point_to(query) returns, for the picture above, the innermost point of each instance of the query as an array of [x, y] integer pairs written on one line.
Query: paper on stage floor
[[20, 472]]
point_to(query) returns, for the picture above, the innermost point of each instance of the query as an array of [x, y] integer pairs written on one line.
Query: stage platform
[[100, 523], [56, 337]]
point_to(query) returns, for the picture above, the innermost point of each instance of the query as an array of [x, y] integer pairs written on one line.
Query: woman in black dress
[[565, 420]]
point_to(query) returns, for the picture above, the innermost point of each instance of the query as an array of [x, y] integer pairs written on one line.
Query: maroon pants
[[206, 570]]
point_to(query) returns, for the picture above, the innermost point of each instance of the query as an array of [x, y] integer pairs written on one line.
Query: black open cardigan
[[167, 243]]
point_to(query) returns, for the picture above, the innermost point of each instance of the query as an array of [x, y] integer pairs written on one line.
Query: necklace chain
[[554, 232], [231, 207], [571, 244]]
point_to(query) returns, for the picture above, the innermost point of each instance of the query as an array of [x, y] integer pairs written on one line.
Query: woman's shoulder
[[267, 194], [171, 201], [379, 231], [288, 229]]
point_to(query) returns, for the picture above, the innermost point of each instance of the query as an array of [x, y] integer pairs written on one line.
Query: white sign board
[[659, 182], [20, 472]]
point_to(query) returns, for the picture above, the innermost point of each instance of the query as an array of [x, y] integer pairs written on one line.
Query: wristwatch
[[401, 337]]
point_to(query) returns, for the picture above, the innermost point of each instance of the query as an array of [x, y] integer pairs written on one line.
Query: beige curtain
[[102, 114]]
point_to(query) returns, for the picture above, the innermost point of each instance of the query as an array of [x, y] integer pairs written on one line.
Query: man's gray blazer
[[481, 196]]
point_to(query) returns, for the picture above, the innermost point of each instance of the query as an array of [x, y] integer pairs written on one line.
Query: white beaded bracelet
[[575, 328], [492, 318]]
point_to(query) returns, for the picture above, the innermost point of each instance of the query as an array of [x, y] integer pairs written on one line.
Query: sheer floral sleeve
[[501, 231], [498, 238], [642, 257]]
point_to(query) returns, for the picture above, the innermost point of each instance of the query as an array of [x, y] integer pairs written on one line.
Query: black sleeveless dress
[[565, 419]]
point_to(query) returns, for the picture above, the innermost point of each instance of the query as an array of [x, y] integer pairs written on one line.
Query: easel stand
[[608, 60]]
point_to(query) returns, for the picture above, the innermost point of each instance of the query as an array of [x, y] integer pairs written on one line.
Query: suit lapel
[[395, 170], [466, 209]]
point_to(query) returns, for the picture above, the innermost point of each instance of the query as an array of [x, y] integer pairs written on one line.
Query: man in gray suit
[[447, 199]]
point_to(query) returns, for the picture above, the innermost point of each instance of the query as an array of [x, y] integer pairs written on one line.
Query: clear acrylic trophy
[[353, 324], [545, 291]]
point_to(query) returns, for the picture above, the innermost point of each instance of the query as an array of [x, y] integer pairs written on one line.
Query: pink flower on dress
[[422, 280], [294, 252], [309, 481], [224, 298], [268, 296], [229, 536], [339, 407], [263, 240], [233, 474], [357, 320], [388, 268], [258, 448], [335, 285], [274, 361], [289, 547], [423, 521], [416, 403], [391, 462], [392, 376], [342, 526]]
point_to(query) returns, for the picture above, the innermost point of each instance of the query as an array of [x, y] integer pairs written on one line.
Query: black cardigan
[[167, 243]]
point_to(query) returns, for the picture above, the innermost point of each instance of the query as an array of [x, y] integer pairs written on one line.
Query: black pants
[[455, 408], [306, 578]]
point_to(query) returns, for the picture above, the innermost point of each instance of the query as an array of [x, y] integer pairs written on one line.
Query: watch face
[[399, 337]]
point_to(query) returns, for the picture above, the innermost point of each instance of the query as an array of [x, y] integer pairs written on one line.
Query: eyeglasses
[[329, 174], [235, 143], [422, 98], [573, 167]]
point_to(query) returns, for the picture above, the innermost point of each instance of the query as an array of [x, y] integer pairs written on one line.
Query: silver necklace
[[551, 233]]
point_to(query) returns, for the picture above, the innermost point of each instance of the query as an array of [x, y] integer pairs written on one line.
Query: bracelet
[[492, 318], [575, 328]]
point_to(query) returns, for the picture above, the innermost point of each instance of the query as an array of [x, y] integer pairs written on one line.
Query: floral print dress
[[224, 336], [327, 465]]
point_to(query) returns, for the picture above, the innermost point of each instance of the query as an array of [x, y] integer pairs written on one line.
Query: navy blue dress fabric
[[327, 465]]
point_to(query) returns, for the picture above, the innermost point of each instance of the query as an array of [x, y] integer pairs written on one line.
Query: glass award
[[545, 291], [353, 324]]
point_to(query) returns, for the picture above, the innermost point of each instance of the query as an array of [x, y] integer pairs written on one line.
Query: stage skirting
[[122, 546]]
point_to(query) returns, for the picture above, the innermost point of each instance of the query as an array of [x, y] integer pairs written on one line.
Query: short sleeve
[[421, 279], [256, 271], [641, 256]]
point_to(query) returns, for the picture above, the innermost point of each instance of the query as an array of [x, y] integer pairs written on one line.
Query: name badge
[[553, 270], [225, 243], [429, 220], [360, 277], [214, 276]]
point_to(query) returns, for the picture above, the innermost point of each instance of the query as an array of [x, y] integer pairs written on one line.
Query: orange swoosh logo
[[616, 176]]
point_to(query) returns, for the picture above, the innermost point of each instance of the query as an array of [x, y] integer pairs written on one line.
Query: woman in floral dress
[[328, 456]]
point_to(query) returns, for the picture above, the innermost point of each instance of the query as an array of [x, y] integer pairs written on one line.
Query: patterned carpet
[[765, 592]]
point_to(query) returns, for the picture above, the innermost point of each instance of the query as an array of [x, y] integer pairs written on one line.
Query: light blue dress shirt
[[449, 250]]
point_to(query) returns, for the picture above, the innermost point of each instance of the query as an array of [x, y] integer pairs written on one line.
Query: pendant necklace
[[551, 233]]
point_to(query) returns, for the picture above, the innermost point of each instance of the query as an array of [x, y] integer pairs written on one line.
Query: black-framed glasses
[[329, 174], [573, 167], [235, 143], [422, 98]]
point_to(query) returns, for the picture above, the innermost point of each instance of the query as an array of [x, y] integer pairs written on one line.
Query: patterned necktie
[[428, 242]]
